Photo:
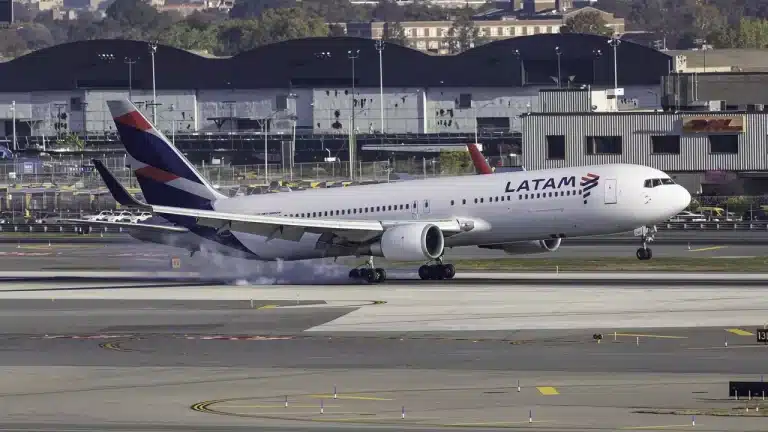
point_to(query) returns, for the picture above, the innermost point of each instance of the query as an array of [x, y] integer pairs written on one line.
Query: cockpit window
[[652, 183]]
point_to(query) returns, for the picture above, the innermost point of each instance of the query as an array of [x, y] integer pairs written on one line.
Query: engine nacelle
[[524, 248], [410, 242]]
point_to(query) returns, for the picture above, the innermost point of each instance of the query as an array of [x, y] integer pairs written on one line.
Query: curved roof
[[306, 62]]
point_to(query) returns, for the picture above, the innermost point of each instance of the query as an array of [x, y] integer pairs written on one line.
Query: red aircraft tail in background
[[481, 165]]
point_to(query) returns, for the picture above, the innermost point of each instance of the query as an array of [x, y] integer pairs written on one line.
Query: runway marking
[[548, 391], [730, 347], [707, 248], [739, 332], [279, 406], [657, 427], [498, 423], [268, 307], [650, 336], [369, 398]]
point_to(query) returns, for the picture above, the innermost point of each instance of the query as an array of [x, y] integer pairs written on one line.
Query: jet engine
[[524, 248], [410, 242]]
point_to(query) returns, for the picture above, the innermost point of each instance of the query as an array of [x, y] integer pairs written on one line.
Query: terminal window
[[555, 146], [602, 145], [728, 144], [665, 144]]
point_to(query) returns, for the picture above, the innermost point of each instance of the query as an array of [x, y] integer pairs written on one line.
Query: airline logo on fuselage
[[588, 182], [542, 184]]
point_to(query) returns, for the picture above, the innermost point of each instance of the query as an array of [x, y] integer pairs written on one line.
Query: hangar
[[317, 85]]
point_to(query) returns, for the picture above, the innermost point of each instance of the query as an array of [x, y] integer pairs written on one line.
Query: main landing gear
[[437, 271], [369, 273], [646, 235]]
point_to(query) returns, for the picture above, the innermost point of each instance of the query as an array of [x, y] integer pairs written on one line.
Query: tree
[[395, 33], [590, 22], [462, 35], [277, 25], [753, 33], [11, 43]]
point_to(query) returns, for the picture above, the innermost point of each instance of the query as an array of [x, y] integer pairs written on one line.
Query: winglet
[[116, 189], [481, 165]]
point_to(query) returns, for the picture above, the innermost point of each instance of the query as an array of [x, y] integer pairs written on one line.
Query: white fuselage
[[505, 208]]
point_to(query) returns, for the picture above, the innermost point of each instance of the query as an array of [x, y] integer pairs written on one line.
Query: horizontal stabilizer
[[116, 189]]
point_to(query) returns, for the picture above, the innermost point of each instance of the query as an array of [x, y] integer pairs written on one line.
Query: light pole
[[597, 53], [152, 51], [173, 125], [266, 154], [130, 62], [13, 122], [474, 114], [352, 55], [559, 75], [615, 42], [380, 49], [703, 44], [522, 66]]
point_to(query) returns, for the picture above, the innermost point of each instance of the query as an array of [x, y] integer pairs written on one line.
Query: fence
[[79, 173]]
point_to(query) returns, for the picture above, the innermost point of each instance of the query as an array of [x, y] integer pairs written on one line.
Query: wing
[[272, 227], [129, 225]]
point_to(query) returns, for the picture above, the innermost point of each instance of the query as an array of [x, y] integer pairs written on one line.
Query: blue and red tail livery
[[165, 176], [587, 183]]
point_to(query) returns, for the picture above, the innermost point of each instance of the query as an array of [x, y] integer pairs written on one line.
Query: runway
[[162, 356], [449, 357], [132, 257]]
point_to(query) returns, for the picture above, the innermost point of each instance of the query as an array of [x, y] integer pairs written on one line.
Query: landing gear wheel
[[449, 271], [437, 272], [644, 254], [382, 274], [424, 272], [372, 276]]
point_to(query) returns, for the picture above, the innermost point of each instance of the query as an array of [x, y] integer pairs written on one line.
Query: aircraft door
[[425, 209], [611, 193], [415, 209]]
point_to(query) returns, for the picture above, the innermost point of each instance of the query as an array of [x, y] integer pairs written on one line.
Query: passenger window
[[407, 206], [519, 197]]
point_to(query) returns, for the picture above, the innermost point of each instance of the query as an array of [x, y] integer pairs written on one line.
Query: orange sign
[[714, 124]]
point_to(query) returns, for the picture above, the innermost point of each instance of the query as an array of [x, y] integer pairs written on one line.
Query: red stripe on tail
[[135, 120], [156, 174], [478, 160]]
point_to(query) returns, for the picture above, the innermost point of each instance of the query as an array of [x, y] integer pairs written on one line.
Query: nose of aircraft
[[681, 198]]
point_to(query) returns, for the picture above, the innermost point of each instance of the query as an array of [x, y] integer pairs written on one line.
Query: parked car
[[755, 215]]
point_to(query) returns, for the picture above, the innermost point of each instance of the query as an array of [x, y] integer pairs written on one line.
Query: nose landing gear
[[646, 235]]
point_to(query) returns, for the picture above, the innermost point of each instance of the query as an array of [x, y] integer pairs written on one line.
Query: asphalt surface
[[676, 237], [220, 365], [143, 257], [169, 364]]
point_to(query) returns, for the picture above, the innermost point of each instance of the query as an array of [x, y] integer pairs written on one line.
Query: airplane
[[402, 221], [160, 231]]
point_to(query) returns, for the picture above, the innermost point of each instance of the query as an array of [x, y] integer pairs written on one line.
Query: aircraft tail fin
[[165, 176], [481, 165]]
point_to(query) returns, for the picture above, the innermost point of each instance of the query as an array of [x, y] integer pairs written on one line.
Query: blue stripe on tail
[[150, 149]]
